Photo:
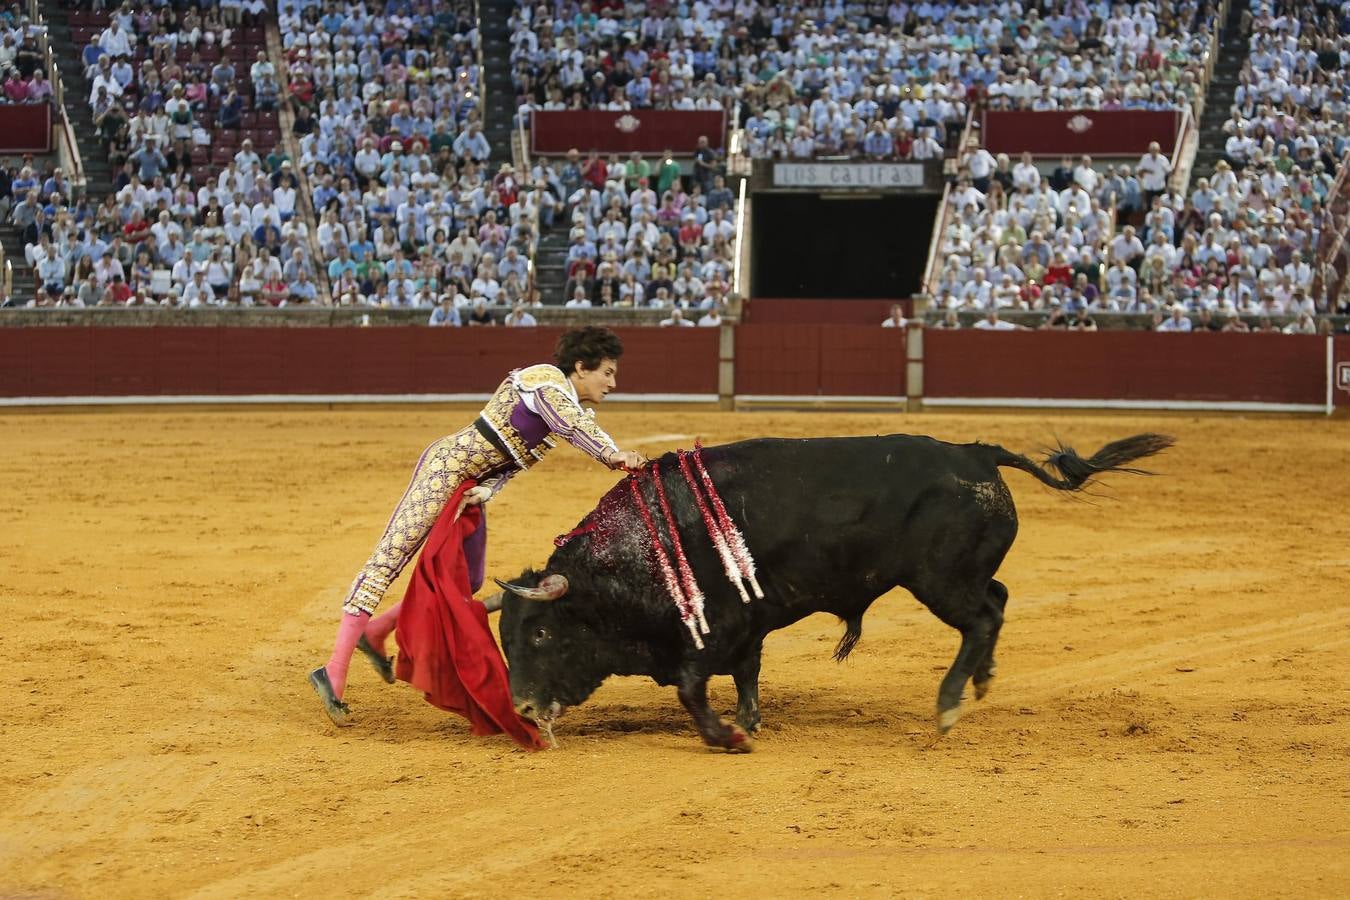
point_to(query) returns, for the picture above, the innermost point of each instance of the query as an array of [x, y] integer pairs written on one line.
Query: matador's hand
[[473, 497], [627, 459]]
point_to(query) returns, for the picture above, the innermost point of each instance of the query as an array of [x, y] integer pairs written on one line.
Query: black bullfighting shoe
[[339, 712], [384, 665]]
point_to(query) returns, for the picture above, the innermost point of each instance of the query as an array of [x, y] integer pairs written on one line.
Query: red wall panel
[[187, 360], [1125, 132], [811, 360], [80, 361], [1125, 365], [778, 359], [644, 130], [862, 360], [58, 358], [669, 361], [25, 128], [250, 360], [318, 361]]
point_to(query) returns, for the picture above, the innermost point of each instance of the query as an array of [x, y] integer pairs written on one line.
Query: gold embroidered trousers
[[444, 465]]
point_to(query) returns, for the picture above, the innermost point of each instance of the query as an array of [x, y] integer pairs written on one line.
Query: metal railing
[[67, 150], [953, 166], [1183, 131], [940, 221], [740, 247], [1211, 57], [6, 277]]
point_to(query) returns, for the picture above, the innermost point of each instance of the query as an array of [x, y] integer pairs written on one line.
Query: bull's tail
[[852, 632], [1076, 472]]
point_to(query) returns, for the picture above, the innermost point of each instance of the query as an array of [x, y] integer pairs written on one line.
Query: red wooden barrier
[[1125, 365], [644, 130], [1124, 132], [177, 361], [25, 128], [815, 360]]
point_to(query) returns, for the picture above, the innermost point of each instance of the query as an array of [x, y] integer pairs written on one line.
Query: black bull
[[832, 523]]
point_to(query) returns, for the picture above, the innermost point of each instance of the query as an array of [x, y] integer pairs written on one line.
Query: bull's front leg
[[746, 675], [693, 691]]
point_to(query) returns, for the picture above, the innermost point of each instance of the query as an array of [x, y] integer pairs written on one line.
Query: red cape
[[445, 647]]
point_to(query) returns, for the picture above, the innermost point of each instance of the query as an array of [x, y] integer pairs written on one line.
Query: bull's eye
[[541, 634]]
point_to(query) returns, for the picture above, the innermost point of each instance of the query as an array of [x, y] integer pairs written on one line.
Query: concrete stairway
[[98, 174], [1233, 52], [499, 94]]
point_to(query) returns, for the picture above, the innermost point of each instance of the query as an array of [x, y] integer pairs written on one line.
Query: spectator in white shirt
[[445, 314], [711, 319], [991, 322], [676, 320], [520, 318], [1127, 248], [1176, 322], [897, 317], [1026, 173], [197, 292], [579, 299], [1153, 170], [925, 147], [114, 40]]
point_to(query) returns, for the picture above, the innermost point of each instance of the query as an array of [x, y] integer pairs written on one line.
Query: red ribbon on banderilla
[[727, 539]]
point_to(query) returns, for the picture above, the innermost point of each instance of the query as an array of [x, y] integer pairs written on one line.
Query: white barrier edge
[[1053, 403], [261, 399], [1331, 375], [818, 398]]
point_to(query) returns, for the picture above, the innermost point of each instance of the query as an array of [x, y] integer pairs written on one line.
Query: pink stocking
[[349, 632], [380, 627]]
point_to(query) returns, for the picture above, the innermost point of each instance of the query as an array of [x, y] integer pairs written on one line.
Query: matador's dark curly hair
[[587, 345]]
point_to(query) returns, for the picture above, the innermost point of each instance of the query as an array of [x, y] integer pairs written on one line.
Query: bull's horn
[[551, 588], [494, 603]]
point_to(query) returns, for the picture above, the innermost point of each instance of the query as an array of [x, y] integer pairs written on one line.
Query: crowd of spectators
[[642, 236], [409, 211], [868, 80], [1232, 247], [23, 78], [1290, 107], [203, 204]]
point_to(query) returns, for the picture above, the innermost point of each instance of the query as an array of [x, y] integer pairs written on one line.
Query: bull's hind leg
[[986, 668], [972, 616], [747, 692], [693, 692]]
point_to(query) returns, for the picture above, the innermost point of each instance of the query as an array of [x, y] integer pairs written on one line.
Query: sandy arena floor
[[1172, 715]]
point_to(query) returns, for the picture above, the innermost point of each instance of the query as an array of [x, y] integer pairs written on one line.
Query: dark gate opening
[[808, 245]]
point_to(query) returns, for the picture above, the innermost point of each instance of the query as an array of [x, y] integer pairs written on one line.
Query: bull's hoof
[[982, 687], [384, 665], [738, 741], [339, 712], [750, 725], [947, 718]]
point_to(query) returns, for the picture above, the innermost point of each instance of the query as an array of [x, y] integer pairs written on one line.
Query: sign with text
[[848, 175]]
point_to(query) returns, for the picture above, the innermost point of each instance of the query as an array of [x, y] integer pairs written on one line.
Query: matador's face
[[593, 385]]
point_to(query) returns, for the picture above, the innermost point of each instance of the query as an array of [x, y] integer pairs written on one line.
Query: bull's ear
[[550, 588]]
